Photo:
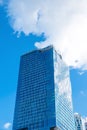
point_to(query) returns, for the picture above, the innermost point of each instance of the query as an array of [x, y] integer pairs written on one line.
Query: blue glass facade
[[42, 101], [78, 122]]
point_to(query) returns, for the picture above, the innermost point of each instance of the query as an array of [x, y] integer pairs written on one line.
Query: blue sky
[[11, 48]]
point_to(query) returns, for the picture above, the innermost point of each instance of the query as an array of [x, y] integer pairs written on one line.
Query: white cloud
[[81, 72], [63, 22], [7, 125]]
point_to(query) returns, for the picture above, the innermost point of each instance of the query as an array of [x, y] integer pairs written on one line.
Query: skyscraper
[[85, 123], [78, 122], [43, 100]]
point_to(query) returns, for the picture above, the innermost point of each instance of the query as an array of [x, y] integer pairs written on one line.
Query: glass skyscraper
[[86, 124], [43, 100], [78, 122]]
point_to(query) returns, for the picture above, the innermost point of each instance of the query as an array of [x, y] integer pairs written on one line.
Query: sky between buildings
[[26, 25]]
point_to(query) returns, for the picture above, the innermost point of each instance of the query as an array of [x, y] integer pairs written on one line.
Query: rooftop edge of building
[[43, 49]]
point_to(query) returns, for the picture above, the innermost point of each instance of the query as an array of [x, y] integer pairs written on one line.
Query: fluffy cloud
[[7, 125], [64, 24]]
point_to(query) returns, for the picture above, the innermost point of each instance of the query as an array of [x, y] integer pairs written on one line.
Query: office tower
[[78, 122], [85, 123], [43, 100]]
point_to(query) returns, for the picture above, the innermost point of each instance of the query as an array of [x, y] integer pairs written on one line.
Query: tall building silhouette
[[85, 123], [43, 100], [78, 121]]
